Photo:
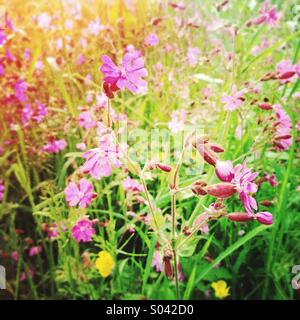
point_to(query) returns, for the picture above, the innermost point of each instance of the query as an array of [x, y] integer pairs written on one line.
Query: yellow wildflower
[[105, 263], [221, 289]]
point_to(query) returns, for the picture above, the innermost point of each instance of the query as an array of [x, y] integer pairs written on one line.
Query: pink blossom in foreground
[[100, 161], [80, 193], [151, 40], [283, 126], [243, 181], [129, 75], [233, 101], [193, 56], [132, 185], [34, 251], [54, 146], [83, 230], [86, 120], [1, 190], [157, 262], [268, 15]]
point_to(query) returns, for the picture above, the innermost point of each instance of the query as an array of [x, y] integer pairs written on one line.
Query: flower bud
[[163, 167], [206, 154], [168, 267], [216, 148], [197, 188], [224, 170], [265, 106], [264, 217], [266, 203], [239, 217], [221, 190], [287, 75]]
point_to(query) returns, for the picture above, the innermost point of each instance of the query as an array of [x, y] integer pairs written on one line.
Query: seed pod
[[221, 190]]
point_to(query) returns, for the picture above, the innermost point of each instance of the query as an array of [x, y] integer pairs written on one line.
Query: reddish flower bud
[[163, 167], [207, 154], [287, 75], [239, 217], [265, 106], [186, 231], [221, 190], [216, 148], [266, 203], [224, 170], [168, 267], [264, 217], [197, 188]]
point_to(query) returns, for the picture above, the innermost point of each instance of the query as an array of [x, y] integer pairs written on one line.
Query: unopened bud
[[221, 190], [163, 167], [266, 203], [239, 217], [197, 188], [216, 148], [265, 106]]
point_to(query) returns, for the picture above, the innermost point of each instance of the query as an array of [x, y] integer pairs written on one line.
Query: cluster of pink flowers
[[81, 193], [37, 114], [83, 230], [129, 75], [54, 146]]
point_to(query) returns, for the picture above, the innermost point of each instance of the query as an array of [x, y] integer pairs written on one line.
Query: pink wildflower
[[86, 120], [129, 75], [80, 59], [132, 185], [23, 275], [268, 15], [81, 146], [151, 40], [271, 179], [81, 193], [53, 231], [20, 90], [285, 71], [233, 101], [193, 56], [2, 37], [44, 21], [243, 181], [157, 262], [100, 161], [282, 139], [95, 27], [83, 230], [178, 118], [54, 146], [224, 170], [35, 250]]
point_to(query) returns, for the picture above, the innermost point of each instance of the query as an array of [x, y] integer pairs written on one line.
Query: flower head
[[221, 289], [33, 251], [105, 263], [83, 230], [54, 146], [157, 262], [233, 101], [132, 185], [151, 40], [282, 138], [268, 15], [81, 193], [129, 75], [86, 120], [100, 161]]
